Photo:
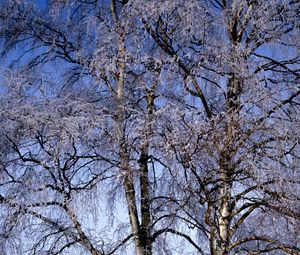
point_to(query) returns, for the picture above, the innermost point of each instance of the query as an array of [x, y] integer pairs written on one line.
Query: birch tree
[[186, 112], [233, 157]]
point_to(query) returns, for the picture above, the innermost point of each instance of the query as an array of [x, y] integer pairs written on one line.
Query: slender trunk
[[145, 205], [128, 181], [144, 181], [125, 167], [226, 169], [234, 89], [223, 217], [133, 213]]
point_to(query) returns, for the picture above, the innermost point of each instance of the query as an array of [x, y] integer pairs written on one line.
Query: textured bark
[[226, 170], [128, 181], [133, 215], [144, 181], [125, 168], [145, 206], [223, 215]]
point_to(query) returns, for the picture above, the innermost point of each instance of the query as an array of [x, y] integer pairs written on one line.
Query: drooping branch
[[178, 233]]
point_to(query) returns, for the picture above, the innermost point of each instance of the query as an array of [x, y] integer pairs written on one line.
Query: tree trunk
[[223, 217], [145, 205], [128, 181], [144, 180], [133, 214], [226, 169]]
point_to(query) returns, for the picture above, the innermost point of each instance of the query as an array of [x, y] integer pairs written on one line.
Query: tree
[[187, 112]]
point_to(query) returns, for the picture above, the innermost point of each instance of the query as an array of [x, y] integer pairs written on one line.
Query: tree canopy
[[150, 127]]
